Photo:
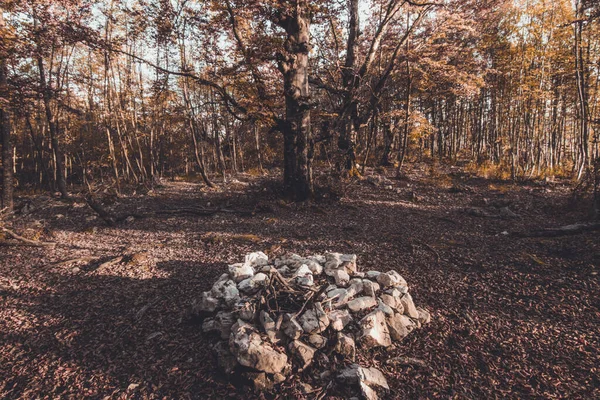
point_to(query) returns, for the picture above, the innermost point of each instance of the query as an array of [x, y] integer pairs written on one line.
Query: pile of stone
[[308, 315]]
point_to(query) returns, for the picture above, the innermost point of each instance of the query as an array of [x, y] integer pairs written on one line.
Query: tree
[[5, 128]]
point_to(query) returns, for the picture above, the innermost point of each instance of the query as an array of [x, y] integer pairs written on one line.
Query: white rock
[[341, 277], [302, 352], [409, 306], [251, 351], [387, 310], [388, 300], [339, 297], [374, 330], [369, 376], [303, 270], [370, 288], [314, 320], [345, 346], [304, 276], [268, 325], [226, 291], [339, 319], [361, 303], [400, 326], [318, 258], [240, 271], [257, 259], [253, 284], [315, 267], [372, 274], [391, 279], [337, 261], [356, 285], [208, 303]]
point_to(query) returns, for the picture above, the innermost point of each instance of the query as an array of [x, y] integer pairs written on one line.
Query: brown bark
[[5, 128], [293, 64]]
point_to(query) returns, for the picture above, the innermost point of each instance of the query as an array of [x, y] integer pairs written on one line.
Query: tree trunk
[[61, 183], [7, 160], [293, 65]]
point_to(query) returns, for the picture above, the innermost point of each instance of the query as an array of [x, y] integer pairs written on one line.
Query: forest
[[168, 165]]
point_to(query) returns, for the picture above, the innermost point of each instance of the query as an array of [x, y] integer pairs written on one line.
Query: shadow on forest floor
[[511, 317]]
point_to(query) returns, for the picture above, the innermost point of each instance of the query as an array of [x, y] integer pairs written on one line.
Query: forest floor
[[511, 317]]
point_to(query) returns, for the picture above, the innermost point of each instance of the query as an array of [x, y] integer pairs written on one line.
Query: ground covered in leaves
[[103, 314]]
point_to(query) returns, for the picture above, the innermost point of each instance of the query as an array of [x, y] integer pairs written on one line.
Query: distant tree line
[[125, 92]]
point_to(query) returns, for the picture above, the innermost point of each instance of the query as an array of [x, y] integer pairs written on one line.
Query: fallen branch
[[75, 260], [573, 229], [21, 241]]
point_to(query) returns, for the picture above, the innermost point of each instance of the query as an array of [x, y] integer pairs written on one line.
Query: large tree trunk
[[7, 161], [293, 64]]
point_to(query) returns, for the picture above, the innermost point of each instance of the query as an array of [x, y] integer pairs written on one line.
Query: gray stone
[[220, 324], [387, 310], [314, 320], [356, 285], [400, 326], [341, 277], [285, 270], [374, 330], [372, 274], [318, 258], [208, 303], [225, 360], [373, 377], [304, 276], [339, 297], [257, 259], [409, 306], [292, 328], [361, 303], [391, 279], [268, 325], [240, 271], [252, 285], [246, 310], [251, 351], [226, 291], [337, 261], [224, 320], [370, 376], [315, 267], [339, 319], [306, 280], [370, 288], [302, 353], [388, 300], [209, 325], [366, 378], [345, 346]]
